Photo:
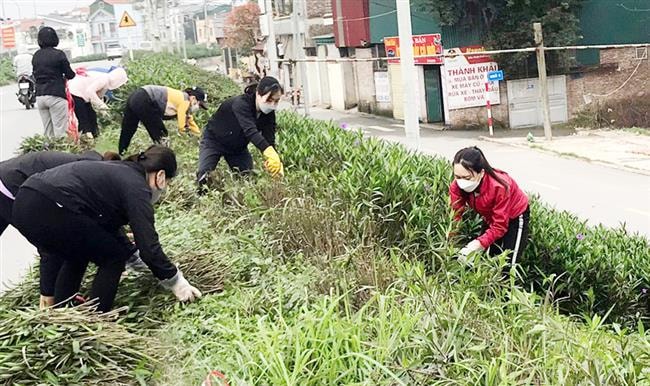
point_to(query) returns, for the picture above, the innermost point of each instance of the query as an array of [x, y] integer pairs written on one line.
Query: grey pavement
[[596, 193]]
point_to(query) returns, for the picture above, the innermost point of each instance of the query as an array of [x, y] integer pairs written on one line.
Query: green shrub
[[338, 274], [606, 269], [7, 73]]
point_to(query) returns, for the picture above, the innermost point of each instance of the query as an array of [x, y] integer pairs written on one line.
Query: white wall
[[397, 92], [337, 86]]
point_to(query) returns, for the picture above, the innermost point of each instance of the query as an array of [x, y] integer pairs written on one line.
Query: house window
[[112, 27]]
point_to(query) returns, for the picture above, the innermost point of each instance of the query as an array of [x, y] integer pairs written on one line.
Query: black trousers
[[210, 152], [86, 115], [71, 240], [5, 212], [140, 108], [49, 266], [515, 239]]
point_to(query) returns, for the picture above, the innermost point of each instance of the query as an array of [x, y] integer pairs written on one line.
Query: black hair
[[111, 156], [265, 85], [155, 158], [472, 158], [47, 37]]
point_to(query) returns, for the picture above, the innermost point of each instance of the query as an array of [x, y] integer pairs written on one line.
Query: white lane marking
[[397, 125], [380, 128], [545, 185], [638, 212]]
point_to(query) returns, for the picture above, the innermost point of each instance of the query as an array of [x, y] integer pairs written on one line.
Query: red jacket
[[496, 204]]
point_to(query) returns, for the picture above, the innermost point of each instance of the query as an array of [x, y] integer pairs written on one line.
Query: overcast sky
[[17, 9]]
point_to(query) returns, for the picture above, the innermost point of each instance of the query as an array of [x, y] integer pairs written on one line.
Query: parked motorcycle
[[26, 91]]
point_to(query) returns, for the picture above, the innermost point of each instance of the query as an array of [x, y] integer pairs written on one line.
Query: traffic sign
[[495, 75], [126, 20]]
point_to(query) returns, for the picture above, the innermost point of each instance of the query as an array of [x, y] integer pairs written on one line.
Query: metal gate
[[525, 107]]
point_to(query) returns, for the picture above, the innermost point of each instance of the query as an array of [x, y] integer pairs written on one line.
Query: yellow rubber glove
[[272, 163]]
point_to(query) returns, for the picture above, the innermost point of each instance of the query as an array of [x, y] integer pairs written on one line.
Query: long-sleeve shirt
[[237, 123], [174, 104], [23, 64], [15, 171], [90, 88], [494, 202], [113, 193], [51, 68]]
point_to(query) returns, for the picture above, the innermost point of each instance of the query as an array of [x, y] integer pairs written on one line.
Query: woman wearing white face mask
[[238, 121], [76, 212], [152, 104], [496, 197]]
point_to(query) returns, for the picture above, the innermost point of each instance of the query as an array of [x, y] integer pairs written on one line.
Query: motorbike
[[26, 91]]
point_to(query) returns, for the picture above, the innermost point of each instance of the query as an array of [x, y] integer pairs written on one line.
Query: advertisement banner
[[8, 37], [382, 87], [465, 78], [424, 46]]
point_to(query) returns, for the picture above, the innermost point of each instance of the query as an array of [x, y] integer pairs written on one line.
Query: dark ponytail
[[155, 158], [265, 85], [472, 158]]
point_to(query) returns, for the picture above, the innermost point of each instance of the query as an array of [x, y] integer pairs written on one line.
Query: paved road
[[595, 192], [16, 123]]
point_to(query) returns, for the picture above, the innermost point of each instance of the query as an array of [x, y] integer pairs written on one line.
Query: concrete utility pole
[[300, 73], [407, 65], [271, 49], [205, 23], [543, 85]]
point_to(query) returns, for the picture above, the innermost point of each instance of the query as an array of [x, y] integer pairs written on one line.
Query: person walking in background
[[51, 69], [152, 104], [88, 92], [242, 119], [494, 195]]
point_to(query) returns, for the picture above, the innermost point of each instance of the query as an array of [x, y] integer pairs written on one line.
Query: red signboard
[[8, 37], [424, 47]]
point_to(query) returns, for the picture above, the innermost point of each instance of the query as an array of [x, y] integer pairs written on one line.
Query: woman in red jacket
[[494, 195]]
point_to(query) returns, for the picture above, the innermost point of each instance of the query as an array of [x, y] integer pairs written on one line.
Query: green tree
[[509, 24], [242, 27]]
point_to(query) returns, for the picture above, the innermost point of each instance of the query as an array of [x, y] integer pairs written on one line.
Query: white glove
[[472, 246], [181, 288], [136, 264]]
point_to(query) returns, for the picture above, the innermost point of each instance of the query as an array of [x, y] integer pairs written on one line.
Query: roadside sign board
[[493, 76], [424, 49], [126, 20], [8, 37]]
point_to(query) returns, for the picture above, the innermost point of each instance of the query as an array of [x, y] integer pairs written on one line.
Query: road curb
[[555, 153]]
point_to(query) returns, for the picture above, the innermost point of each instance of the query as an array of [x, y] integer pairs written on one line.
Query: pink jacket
[[92, 87]]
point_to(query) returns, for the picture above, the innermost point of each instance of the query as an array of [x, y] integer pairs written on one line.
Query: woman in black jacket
[[13, 173], [51, 69], [238, 121], [76, 212]]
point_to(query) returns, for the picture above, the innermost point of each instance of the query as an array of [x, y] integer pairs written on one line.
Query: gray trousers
[[54, 114]]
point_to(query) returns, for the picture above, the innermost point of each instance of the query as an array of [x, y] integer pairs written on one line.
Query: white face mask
[[156, 193], [266, 108], [468, 185]]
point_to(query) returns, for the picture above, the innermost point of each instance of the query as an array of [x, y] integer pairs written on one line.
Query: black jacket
[[50, 67], [235, 124], [14, 171], [114, 193]]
